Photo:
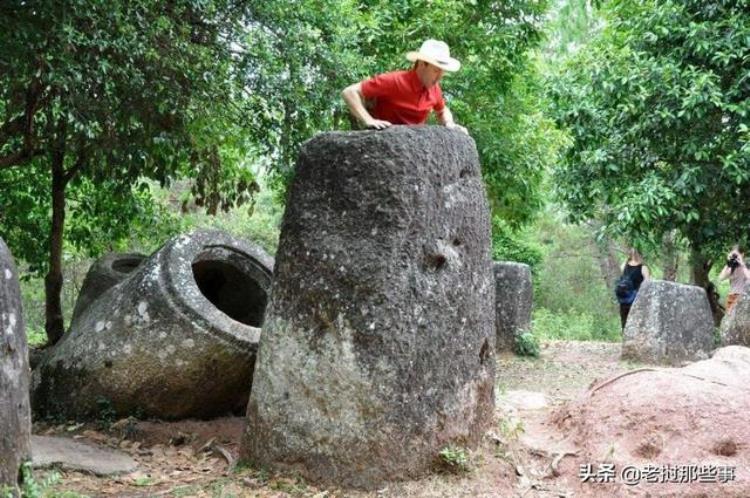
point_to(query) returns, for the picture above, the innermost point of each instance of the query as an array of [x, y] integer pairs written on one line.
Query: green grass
[[575, 326], [35, 487]]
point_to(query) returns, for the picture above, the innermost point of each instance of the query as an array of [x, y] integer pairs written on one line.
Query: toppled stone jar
[[15, 417], [378, 345], [176, 339]]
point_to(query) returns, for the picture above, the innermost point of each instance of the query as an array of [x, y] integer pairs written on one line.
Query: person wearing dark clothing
[[634, 273]]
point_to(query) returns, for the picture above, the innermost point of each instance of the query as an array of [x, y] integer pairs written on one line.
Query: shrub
[[514, 245], [453, 459], [526, 345]]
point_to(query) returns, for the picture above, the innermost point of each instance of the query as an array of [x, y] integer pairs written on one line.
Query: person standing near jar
[[738, 275], [634, 272]]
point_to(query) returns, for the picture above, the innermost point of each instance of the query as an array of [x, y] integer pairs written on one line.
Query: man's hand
[[356, 103], [454, 126], [378, 124]]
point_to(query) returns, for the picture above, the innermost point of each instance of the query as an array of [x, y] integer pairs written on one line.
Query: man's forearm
[[353, 100], [445, 117]]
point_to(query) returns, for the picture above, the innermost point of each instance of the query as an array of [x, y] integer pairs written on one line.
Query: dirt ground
[[521, 456]]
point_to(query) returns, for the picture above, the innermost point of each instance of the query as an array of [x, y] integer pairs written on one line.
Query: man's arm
[[353, 97], [445, 118]]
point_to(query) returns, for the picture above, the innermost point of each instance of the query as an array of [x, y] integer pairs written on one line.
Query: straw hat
[[436, 53]]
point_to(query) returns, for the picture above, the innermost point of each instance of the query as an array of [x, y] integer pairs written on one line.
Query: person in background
[[406, 97], [738, 275], [634, 273]]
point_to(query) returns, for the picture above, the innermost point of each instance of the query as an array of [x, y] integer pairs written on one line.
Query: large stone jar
[[378, 345], [669, 324], [175, 339], [513, 302], [15, 416]]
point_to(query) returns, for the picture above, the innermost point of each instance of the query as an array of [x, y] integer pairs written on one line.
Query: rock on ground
[[378, 345], [49, 451], [697, 416], [669, 323], [735, 328], [176, 339], [513, 301], [15, 415]]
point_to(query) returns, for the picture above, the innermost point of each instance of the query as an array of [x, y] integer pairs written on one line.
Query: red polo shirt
[[401, 98]]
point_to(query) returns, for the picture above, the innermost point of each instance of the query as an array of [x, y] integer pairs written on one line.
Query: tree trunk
[[671, 256], [54, 324], [15, 415], [609, 263], [700, 266]]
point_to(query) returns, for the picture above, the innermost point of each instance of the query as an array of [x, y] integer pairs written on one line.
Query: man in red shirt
[[406, 97]]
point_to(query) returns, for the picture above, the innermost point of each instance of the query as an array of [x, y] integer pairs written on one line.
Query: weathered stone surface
[[696, 414], [15, 416], [669, 323], [175, 339], [513, 301], [378, 346], [735, 328], [105, 272], [48, 451]]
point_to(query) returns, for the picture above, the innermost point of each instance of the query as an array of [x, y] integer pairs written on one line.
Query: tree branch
[[23, 125], [80, 162]]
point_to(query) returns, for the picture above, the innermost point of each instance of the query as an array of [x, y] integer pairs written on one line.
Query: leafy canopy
[[100, 94], [294, 82], [657, 106]]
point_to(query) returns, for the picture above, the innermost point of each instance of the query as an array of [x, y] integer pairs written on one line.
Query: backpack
[[625, 290]]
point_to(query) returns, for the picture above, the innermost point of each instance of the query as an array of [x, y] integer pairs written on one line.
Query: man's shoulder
[[393, 75], [387, 84]]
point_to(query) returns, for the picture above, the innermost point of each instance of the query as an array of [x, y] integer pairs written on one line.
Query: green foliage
[[657, 107], [717, 337], [32, 488], [571, 298], [572, 22], [261, 225], [295, 82], [36, 337], [143, 481], [107, 414], [518, 144], [514, 245], [454, 459], [526, 344], [572, 325], [511, 428], [101, 216], [95, 96]]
